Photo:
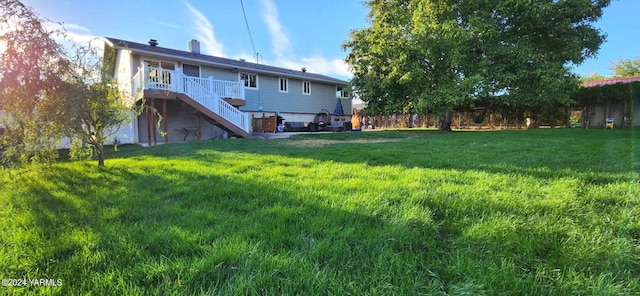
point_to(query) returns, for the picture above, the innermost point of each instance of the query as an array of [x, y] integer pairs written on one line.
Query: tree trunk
[[100, 155], [444, 122]]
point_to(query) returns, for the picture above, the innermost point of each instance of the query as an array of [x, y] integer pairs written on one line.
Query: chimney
[[194, 46], [153, 42]]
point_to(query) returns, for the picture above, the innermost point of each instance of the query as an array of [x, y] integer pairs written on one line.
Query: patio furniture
[[296, 126], [190, 130], [322, 119]]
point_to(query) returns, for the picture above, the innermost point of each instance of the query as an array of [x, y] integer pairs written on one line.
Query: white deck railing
[[206, 91]]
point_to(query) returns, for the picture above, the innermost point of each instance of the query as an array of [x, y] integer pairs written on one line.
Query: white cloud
[[72, 35], [279, 40], [79, 34], [282, 48], [325, 66], [205, 33]]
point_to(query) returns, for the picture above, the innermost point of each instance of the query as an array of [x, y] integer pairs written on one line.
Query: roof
[[221, 62], [611, 81]]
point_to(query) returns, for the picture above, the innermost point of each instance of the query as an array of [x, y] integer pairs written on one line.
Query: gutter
[[226, 66]]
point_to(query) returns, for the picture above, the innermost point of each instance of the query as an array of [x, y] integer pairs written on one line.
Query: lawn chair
[[609, 123]]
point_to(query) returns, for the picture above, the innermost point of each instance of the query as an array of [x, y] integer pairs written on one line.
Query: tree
[[593, 77], [33, 67], [623, 68], [96, 108], [436, 56], [47, 95]]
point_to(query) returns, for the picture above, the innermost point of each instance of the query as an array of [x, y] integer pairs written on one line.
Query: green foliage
[[102, 111], [80, 150], [435, 56], [609, 93], [593, 77], [47, 95], [626, 68], [31, 81], [543, 212]]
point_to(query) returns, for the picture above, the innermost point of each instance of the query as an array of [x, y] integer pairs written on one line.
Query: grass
[[539, 212]]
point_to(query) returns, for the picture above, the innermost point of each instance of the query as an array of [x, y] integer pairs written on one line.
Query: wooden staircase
[[216, 100], [213, 118]]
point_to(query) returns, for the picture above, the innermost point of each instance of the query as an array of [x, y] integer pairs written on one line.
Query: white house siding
[[124, 73], [128, 133]]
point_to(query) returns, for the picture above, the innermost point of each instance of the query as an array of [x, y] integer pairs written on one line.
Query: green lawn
[[538, 212]]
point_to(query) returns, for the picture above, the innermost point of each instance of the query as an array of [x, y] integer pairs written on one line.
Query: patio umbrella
[[338, 111]]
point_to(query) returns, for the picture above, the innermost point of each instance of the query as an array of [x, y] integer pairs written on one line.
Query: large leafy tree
[[438, 55], [33, 67]]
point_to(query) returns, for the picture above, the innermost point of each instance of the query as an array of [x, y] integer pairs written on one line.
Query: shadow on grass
[[165, 228], [594, 156], [171, 223]]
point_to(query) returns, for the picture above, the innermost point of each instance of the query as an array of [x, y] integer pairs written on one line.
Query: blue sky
[[286, 33]]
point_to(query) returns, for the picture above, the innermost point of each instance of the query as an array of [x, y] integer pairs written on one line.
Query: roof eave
[[231, 67]]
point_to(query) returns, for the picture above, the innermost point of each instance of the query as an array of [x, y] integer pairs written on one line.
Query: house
[[198, 96]]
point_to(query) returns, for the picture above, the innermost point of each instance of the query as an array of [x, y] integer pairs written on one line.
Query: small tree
[[47, 95], [100, 107]]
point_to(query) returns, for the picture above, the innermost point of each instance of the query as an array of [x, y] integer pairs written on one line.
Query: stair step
[[195, 107]]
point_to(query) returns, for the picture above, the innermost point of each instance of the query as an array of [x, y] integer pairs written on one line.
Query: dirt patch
[[317, 143]]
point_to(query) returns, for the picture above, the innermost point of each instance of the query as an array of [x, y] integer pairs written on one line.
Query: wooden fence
[[461, 120]]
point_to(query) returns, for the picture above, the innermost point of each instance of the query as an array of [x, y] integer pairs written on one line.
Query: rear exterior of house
[[197, 96]]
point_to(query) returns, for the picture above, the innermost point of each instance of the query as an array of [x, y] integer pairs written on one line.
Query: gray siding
[[218, 73], [323, 96]]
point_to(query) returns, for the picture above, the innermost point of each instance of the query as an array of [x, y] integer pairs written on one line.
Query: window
[[306, 88], [284, 85], [341, 92], [163, 65], [250, 80], [191, 70], [158, 72]]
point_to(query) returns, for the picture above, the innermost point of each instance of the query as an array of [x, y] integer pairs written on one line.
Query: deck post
[[212, 87], [148, 113], [199, 129], [153, 119], [165, 124]]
